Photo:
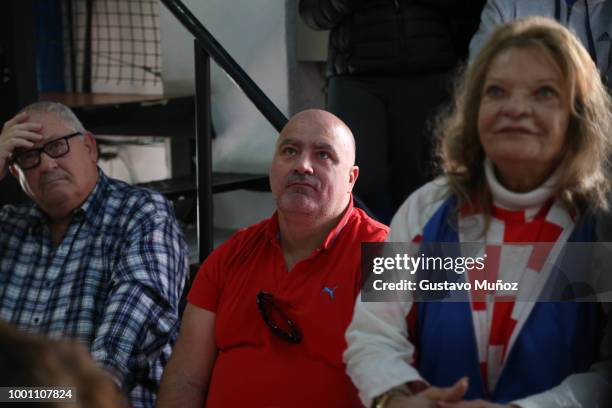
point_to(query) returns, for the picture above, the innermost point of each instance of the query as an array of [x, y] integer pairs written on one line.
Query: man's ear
[[353, 174], [90, 145]]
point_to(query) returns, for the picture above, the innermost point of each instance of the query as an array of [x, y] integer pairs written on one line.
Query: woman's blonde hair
[[583, 169]]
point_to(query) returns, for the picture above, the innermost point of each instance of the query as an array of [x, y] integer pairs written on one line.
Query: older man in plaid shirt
[[93, 258]]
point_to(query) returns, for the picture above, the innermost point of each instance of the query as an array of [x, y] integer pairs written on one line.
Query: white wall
[[253, 32], [261, 36]]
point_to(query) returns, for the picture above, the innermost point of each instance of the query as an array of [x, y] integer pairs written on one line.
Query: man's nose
[[47, 162], [303, 165]]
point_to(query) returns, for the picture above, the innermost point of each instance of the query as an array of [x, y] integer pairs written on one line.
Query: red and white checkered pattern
[[497, 319]]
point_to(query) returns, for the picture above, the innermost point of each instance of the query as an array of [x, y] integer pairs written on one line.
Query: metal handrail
[[207, 47], [227, 63]]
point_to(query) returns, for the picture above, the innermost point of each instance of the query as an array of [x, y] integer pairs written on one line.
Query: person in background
[[268, 309], [92, 258], [590, 20], [389, 68], [523, 156], [35, 361]]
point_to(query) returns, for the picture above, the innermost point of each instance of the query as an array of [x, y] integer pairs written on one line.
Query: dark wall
[[17, 72]]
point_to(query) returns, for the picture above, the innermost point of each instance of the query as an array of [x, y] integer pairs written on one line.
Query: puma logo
[[329, 291]]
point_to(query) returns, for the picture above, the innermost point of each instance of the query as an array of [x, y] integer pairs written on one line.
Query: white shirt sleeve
[[379, 353]]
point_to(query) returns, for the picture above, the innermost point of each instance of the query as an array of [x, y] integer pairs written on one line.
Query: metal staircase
[[184, 118]]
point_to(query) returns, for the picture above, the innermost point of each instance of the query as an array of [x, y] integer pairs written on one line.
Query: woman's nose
[[517, 105]]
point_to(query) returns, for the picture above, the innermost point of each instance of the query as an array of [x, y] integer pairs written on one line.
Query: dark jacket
[[399, 37]]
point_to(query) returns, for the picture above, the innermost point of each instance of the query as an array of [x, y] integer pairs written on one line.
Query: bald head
[[322, 122], [313, 171]]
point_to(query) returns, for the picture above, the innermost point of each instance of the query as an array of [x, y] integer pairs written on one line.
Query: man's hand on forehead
[[17, 133]]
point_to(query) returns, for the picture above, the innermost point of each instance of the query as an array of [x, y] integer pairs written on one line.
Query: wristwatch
[[383, 400], [407, 390]]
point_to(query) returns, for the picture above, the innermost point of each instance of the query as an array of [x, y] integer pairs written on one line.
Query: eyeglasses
[[30, 158], [276, 320]]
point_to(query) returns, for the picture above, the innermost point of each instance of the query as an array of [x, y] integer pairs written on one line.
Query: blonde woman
[[523, 159]]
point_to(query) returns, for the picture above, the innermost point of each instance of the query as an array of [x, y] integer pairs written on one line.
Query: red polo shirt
[[256, 368]]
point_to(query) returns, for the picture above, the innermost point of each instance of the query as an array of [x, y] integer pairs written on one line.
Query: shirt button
[[36, 320], [48, 284]]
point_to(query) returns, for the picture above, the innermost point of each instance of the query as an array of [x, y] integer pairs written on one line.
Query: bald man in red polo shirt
[[267, 312]]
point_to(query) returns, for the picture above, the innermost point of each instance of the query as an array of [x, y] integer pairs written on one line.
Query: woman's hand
[[430, 397], [17, 132]]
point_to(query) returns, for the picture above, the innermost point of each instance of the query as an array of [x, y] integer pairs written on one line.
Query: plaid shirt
[[114, 282]]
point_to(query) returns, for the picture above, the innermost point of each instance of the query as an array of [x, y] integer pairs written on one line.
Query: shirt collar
[[273, 232], [35, 216], [95, 200], [519, 201]]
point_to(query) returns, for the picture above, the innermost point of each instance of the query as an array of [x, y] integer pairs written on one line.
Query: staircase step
[[234, 181], [186, 186], [132, 115]]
